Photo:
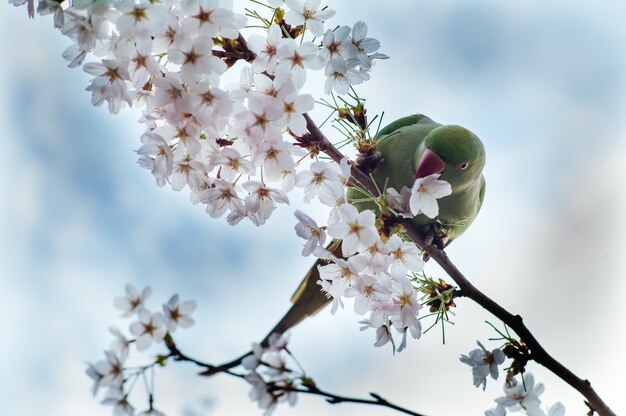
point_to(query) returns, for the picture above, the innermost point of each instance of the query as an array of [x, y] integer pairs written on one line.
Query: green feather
[[402, 144]]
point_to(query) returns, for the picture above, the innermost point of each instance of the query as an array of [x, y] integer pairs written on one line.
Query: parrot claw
[[435, 237], [428, 234]]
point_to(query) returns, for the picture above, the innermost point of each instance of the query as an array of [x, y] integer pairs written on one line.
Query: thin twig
[[336, 399], [309, 388]]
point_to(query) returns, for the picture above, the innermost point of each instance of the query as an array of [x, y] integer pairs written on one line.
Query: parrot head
[[454, 152]]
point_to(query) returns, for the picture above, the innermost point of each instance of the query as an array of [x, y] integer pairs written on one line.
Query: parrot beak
[[429, 163]]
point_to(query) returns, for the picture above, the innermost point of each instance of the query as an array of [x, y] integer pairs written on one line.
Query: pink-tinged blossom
[[308, 229], [148, 329], [133, 301], [355, 228], [178, 313], [424, 195], [308, 13]]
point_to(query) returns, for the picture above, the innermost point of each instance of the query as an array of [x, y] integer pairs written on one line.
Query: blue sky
[[542, 84]]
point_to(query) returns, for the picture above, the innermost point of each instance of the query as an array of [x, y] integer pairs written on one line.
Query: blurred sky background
[[542, 83]]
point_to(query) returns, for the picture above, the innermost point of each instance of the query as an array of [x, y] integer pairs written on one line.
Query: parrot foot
[[435, 236]]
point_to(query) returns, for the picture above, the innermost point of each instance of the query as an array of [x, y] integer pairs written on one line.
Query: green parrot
[[411, 147]]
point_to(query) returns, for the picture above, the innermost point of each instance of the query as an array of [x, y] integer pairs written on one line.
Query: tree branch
[[539, 354], [309, 386]]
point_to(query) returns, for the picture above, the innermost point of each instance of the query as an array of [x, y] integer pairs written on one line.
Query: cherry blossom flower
[[261, 201], [188, 172], [207, 19], [399, 202], [308, 13], [156, 155], [119, 400], [483, 363], [308, 229], [405, 257], [120, 344], [355, 229], [337, 42], [110, 84], [295, 60], [524, 396], [177, 313], [221, 197], [133, 301], [148, 329], [424, 195], [196, 59], [266, 50], [366, 289], [275, 158], [335, 278]]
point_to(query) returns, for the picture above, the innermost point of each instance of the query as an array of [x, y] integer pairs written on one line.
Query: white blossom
[[133, 301], [148, 329], [483, 363], [355, 229], [308, 229], [308, 13], [424, 195], [178, 314]]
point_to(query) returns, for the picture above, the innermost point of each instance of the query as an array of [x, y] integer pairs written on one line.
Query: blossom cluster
[[233, 146], [269, 374], [147, 329], [524, 397]]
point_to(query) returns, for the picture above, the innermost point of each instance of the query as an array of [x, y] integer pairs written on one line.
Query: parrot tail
[[307, 300]]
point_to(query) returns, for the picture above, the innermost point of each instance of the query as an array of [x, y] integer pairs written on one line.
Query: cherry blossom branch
[[538, 353], [335, 399], [309, 386]]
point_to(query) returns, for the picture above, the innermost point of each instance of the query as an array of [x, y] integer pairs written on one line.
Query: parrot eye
[[462, 166]]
